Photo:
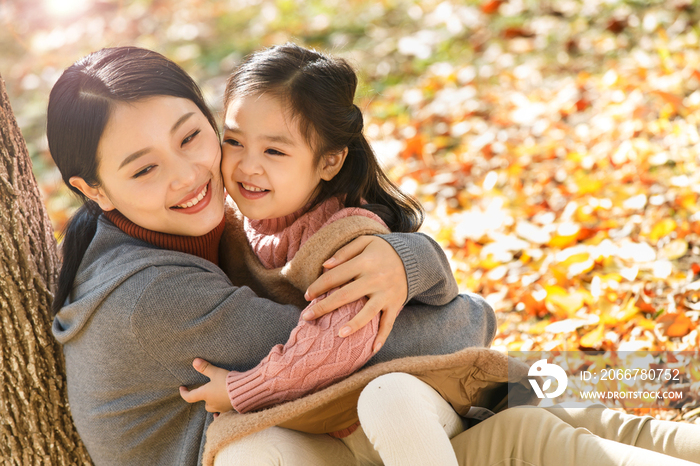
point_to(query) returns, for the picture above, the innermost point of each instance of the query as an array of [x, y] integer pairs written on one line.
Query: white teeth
[[252, 188], [194, 201]]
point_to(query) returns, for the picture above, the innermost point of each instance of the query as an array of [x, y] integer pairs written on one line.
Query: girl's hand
[[213, 393], [368, 266]]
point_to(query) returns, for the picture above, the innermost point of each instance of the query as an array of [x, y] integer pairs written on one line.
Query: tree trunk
[[35, 424]]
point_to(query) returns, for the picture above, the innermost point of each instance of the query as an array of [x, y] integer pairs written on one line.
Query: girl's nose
[[249, 164]]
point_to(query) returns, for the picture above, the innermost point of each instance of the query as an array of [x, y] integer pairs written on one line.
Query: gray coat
[[138, 315]]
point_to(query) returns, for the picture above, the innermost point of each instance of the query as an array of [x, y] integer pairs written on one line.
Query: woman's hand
[[368, 266], [213, 393]]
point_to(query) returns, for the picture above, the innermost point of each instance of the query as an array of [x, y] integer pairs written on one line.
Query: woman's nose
[[184, 174]]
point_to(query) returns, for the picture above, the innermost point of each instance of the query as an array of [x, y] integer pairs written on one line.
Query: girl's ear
[[331, 164], [94, 193]]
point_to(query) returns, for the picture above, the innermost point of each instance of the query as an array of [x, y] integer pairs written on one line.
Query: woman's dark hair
[[319, 92], [80, 105]]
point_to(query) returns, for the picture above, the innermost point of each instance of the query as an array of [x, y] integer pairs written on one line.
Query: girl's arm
[[315, 356]]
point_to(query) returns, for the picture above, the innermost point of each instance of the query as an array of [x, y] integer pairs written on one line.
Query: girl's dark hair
[[319, 91], [80, 105]]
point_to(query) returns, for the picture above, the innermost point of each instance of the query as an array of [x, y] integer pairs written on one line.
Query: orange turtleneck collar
[[205, 246]]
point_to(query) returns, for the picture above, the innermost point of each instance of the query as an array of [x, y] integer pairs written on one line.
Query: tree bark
[[35, 423]]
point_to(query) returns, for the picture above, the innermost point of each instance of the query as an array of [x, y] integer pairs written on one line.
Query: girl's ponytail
[[400, 212], [76, 239]]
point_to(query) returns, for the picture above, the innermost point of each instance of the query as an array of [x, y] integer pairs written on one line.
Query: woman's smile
[[194, 203]]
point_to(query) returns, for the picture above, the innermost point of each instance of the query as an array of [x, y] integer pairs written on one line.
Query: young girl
[[296, 163]]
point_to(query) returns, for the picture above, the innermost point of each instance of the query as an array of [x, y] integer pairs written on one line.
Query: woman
[[140, 295]]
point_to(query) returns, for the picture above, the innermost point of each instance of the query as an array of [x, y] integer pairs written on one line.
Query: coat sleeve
[[313, 358], [421, 329], [185, 312], [428, 273]]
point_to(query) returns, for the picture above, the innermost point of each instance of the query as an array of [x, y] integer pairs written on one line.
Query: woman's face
[[268, 168], [159, 165]]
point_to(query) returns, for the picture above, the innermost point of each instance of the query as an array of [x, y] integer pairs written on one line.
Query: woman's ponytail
[[76, 239]]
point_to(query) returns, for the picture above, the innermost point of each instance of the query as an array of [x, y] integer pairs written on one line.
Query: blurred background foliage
[[391, 42], [388, 41], [553, 143]]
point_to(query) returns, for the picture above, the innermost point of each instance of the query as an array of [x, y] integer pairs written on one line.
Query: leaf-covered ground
[[560, 169], [554, 144]]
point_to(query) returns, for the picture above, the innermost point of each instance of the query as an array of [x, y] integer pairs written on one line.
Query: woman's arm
[[390, 270], [428, 273], [421, 329], [188, 312], [466, 321], [184, 313]]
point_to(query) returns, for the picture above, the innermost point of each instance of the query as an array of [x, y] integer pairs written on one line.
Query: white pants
[[406, 422]]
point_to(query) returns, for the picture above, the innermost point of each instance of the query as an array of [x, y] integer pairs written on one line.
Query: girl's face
[[268, 168], [159, 166]]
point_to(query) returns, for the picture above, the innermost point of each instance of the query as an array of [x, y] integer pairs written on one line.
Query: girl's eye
[[190, 137], [274, 152], [144, 171], [231, 142]]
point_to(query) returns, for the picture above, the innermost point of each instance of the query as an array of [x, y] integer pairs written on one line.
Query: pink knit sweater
[[315, 356]]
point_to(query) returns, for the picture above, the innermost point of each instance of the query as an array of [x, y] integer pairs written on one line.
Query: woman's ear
[[94, 193], [332, 164]]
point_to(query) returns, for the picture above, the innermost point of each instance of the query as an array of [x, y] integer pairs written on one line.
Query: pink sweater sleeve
[[313, 357]]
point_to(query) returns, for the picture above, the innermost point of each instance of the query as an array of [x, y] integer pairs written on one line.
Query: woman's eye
[[231, 142], [144, 171], [190, 137]]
